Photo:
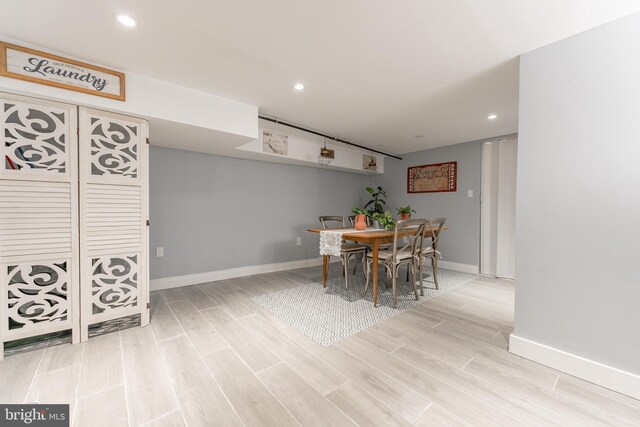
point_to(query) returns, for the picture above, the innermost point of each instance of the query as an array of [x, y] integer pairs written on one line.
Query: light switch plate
[[299, 241], [159, 252], [469, 193]]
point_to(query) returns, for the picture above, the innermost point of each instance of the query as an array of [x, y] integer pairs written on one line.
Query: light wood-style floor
[[211, 357]]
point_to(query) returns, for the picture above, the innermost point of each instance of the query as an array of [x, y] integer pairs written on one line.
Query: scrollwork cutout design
[[114, 148], [114, 283], [37, 294], [35, 138]]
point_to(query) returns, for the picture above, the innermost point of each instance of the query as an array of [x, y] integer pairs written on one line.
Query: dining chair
[[433, 228], [391, 259], [348, 249]]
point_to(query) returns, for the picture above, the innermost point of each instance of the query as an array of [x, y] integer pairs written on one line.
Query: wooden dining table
[[374, 237]]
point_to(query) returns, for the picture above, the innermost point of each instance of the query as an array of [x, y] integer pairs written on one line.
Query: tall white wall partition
[[578, 292], [73, 218]]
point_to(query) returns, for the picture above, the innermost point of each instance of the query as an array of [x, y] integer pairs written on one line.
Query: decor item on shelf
[[275, 143], [369, 163], [44, 68], [434, 178], [405, 212], [377, 202], [326, 156], [361, 219], [385, 220]]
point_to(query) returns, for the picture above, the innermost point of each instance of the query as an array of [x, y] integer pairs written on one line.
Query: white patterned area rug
[[335, 313]]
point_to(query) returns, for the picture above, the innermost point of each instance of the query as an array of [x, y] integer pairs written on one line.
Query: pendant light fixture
[[326, 156], [372, 164]]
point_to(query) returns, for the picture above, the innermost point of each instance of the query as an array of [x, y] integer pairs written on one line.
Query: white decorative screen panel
[[52, 185], [35, 138], [115, 148], [37, 294], [39, 274], [114, 283], [113, 212]]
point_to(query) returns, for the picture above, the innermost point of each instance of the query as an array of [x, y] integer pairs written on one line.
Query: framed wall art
[[434, 178], [369, 163], [275, 143]]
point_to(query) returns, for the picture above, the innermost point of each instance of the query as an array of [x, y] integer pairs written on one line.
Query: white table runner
[[331, 241]]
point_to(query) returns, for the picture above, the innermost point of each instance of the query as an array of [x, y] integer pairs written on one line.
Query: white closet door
[[498, 228], [506, 230], [113, 215], [39, 269]]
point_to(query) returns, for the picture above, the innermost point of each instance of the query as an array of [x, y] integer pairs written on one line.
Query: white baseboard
[[589, 370], [229, 273], [456, 266]]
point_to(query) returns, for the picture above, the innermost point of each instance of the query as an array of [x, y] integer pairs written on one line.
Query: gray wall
[[212, 212], [578, 208], [462, 242]]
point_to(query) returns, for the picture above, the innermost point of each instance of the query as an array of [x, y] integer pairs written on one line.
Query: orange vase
[[361, 222]]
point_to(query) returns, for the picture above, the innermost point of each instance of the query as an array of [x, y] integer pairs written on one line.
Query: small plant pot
[[405, 217], [361, 222], [376, 224]]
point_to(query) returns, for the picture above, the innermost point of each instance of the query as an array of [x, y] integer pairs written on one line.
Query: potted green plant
[[377, 202], [405, 212], [385, 220], [361, 218]]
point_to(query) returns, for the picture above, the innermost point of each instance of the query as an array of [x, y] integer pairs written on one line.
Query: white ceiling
[[376, 72]]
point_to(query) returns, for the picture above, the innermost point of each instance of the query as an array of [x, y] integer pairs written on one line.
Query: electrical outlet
[[299, 241], [159, 252]]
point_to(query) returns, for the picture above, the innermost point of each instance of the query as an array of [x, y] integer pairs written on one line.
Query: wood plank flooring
[[211, 356]]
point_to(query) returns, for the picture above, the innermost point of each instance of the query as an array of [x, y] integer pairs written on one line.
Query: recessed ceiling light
[[126, 20], [492, 116], [298, 86]]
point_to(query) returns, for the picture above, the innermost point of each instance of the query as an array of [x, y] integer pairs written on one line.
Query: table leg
[[434, 262], [325, 268], [375, 272]]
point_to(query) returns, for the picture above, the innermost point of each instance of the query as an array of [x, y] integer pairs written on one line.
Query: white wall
[[578, 208]]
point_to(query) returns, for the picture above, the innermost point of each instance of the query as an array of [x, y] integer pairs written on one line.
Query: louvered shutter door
[[113, 216], [39, 268]]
